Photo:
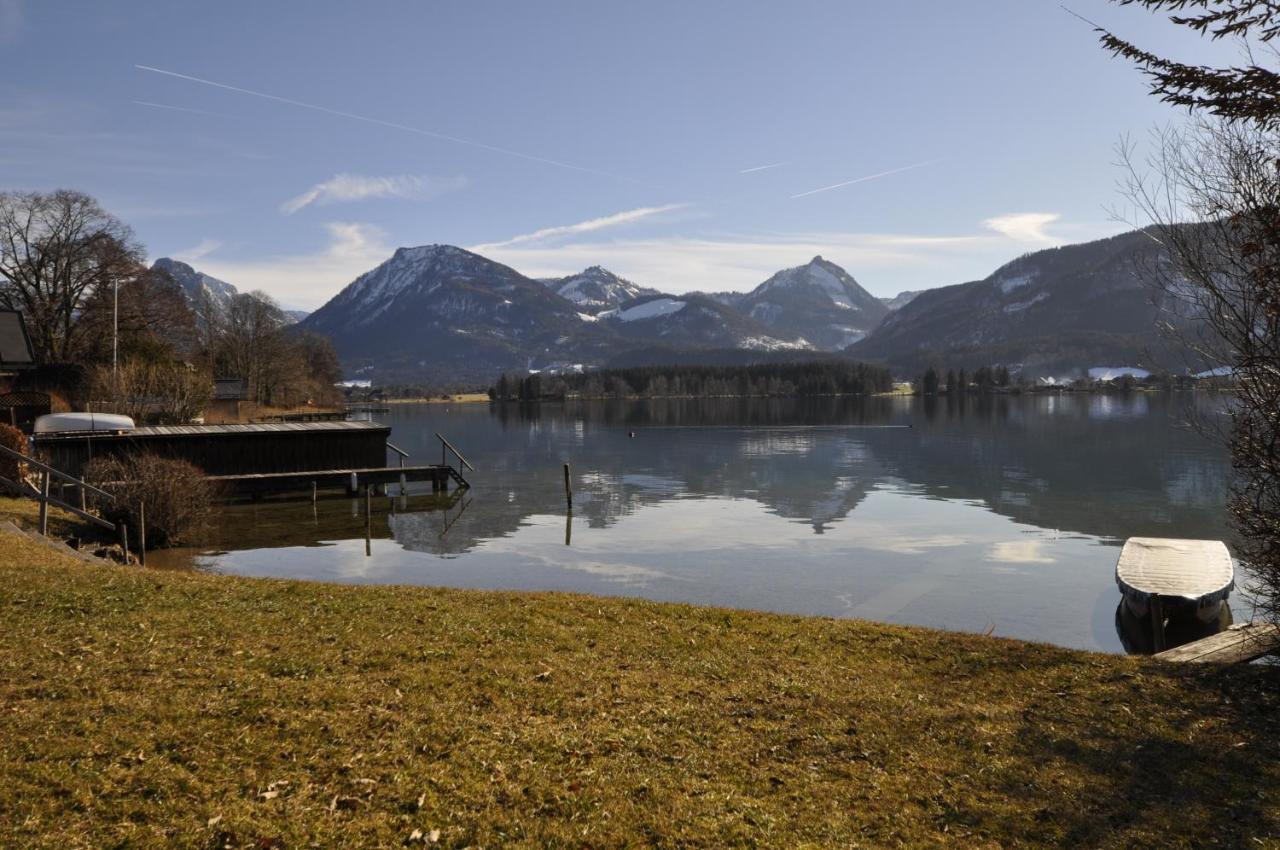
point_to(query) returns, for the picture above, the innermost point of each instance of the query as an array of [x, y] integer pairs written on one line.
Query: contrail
[[868, 177], [381, 123], [763, 167]]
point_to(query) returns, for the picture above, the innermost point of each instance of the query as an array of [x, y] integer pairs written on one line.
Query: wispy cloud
[[844, 183], [381, 123], [763, 167], [588, 226], [356, 187], [10, 20], [308, 280], [198, 252], [1024, 227]]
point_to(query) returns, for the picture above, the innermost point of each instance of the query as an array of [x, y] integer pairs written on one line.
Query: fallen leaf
[[213, 821], [545, 674]]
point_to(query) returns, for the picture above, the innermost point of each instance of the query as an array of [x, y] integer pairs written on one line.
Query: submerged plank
[[1236, 645]]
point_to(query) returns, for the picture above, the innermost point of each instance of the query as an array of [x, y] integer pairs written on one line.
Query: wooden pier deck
[[349, 480]]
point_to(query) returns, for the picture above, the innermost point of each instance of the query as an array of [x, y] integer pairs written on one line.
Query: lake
[[999, 514]]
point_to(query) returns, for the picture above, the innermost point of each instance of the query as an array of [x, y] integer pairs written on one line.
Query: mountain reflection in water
[[994, 512]]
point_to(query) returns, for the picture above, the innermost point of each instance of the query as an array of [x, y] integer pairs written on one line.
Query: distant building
[[230, 389], [359, 384]]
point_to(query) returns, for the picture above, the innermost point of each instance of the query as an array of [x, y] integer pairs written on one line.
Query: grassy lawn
[[159, 709]]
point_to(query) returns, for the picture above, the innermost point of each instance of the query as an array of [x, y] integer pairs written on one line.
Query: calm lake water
[[1000, 513]]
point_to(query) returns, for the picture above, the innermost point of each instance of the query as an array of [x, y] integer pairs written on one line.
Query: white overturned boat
[[82, 423], [1173, 592]]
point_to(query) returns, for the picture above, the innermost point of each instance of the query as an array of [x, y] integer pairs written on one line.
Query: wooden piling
[[1157, 623], [313, 494], [44, 502], [124, 541], [568, 488], [368, 520], [142, 533]]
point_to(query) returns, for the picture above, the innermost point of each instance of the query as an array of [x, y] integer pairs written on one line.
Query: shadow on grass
[[1184, 756]]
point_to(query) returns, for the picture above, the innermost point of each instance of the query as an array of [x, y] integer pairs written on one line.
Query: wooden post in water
[[368, 520], [313, 494], [142, 533], [44, 502], [1157, 623], [568, 488]]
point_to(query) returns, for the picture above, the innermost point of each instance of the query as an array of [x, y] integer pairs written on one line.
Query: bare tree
[[155, 321], [57, 249], [1215, 205]]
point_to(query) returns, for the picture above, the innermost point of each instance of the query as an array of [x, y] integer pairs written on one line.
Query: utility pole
[[115, 326]]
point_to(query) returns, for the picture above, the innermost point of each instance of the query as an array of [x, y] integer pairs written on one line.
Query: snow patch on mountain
[[649, 310]]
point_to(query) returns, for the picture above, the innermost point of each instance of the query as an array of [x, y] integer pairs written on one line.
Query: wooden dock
[[351, 481], [1236, 645], [266, 457]]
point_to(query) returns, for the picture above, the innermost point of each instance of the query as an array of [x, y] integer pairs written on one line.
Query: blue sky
[[679, 144]]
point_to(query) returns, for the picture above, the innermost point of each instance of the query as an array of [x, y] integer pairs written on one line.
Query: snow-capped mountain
[[818, 301], [443, 313], [595, 289], [202, 290], [694, 321]]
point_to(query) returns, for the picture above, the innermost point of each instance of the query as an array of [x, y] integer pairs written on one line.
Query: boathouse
[[229, 449]]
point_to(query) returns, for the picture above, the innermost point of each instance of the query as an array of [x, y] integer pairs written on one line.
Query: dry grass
[[25, 513], [151, 709]]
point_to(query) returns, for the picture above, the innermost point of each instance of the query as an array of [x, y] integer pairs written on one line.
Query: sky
[[291, 146]]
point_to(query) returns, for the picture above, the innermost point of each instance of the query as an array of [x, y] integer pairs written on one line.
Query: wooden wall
[[218, 450]]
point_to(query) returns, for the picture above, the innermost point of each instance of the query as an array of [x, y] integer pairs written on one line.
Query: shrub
[[12, 438], [178, 499]]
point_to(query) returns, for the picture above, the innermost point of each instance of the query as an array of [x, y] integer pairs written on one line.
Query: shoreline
[[156, 708]]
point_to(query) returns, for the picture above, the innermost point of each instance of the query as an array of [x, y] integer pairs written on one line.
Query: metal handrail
[[446, 444], [5, 451], [403, 454], [42, 495]]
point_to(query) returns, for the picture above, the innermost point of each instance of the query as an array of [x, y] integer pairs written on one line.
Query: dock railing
[[43, 495], [445, 448]]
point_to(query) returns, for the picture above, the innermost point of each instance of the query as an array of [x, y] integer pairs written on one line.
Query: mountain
[[595, 289], [692, 322], [818, 302], [1053, 311], [901, 300], [443, 314], [200, 288]]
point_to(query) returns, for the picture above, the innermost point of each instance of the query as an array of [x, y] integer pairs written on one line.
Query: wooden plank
[[1236, 645]]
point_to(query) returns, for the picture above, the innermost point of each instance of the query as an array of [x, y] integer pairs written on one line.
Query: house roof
[[15, 345]]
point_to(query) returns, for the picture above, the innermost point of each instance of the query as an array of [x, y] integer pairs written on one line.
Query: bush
[[178, 499], [12, 438]]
